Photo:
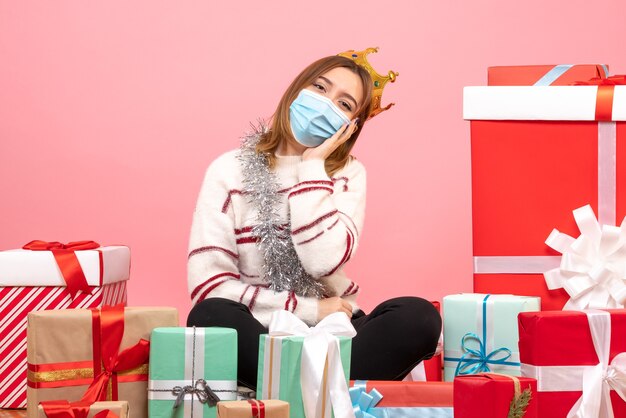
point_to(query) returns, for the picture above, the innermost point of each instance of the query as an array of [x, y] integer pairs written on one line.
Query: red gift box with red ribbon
[[490, 395], [92, 355], [567, 351], [51, 275], [544, 75], [538, 153]]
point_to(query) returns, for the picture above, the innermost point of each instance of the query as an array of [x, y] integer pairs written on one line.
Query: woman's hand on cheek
[[323, 151]]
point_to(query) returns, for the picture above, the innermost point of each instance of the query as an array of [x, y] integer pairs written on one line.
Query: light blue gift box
[[480, 333]]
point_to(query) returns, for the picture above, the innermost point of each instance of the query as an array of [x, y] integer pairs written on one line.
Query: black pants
[[390, 341]]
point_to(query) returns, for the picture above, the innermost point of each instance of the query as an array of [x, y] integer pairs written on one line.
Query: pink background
[[111, 111]]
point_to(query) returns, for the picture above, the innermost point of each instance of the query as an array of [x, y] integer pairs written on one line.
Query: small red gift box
[[546, 75], [490, 395], [557, 348], [538, 153]]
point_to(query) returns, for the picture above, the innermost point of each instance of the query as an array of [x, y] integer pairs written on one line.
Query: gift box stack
[[68, 345], [46, 276], [547, 155]]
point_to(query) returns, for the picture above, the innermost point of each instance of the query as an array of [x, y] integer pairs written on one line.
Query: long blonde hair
[[280, 128]]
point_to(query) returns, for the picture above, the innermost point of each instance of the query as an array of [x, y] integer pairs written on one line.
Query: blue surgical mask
[[314, 118]]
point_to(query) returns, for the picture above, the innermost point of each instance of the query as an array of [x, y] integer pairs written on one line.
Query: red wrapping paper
[[434, 366], [528, 75], [412, 394], [563, 338], [489, 396], [527, 177]]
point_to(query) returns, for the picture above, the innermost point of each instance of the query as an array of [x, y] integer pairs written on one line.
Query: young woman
[[277, 219]]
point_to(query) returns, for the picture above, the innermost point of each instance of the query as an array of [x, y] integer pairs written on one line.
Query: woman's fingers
[[342, 135], [324, 150]]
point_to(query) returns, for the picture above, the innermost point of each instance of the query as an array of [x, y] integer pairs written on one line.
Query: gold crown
[[378, 80]]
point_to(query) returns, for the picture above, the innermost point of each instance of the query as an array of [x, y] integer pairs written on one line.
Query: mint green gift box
[[279, 369], [180, 360], [480, 333]]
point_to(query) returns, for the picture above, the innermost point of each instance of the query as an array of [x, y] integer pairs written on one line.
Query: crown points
[[360, 57]]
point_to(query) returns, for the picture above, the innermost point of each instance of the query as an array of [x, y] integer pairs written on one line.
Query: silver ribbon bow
[[200, 389]]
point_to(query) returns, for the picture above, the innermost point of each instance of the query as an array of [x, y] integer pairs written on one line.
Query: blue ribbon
[[478, 361], [363, 403], [551, 76]]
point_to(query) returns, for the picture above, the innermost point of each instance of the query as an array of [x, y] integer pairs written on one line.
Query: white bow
[[593, 266], [320, 358], [598, 381]]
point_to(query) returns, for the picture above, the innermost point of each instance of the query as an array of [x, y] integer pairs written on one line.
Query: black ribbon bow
[[200, 389]]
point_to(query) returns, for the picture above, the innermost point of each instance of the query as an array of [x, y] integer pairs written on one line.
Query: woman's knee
[[420, 316], [211, 312]]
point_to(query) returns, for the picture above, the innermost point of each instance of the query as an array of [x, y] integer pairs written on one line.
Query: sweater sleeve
[[327, 215], [212, 266]]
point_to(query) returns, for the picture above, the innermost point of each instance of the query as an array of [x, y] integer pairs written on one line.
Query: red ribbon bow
[[65, 409], [108, 330], [604, 97], [258, 408], [614, 80], [67, 261]]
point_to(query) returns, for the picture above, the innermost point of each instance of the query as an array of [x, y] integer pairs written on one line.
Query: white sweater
[[326, 221]]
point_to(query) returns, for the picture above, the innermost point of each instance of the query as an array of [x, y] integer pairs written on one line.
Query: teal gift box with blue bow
[[481, 333], [191, 369]]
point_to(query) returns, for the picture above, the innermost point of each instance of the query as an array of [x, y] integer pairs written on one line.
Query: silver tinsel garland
[[281, 267]]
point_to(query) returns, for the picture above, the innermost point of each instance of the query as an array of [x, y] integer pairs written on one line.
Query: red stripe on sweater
[[333, 225], [244, 293], [212, 248], [243, 230], [217, 276], [348, 289], [310, 189], [345, 182], [351, 244], [229, 199], [345, 255], [295, 302], [356, 231], [253, 298], [310, 239], [315, 222], [211, 288], [327, 182], [246, 240], [351, 290], [288, 300], [354, 290]]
